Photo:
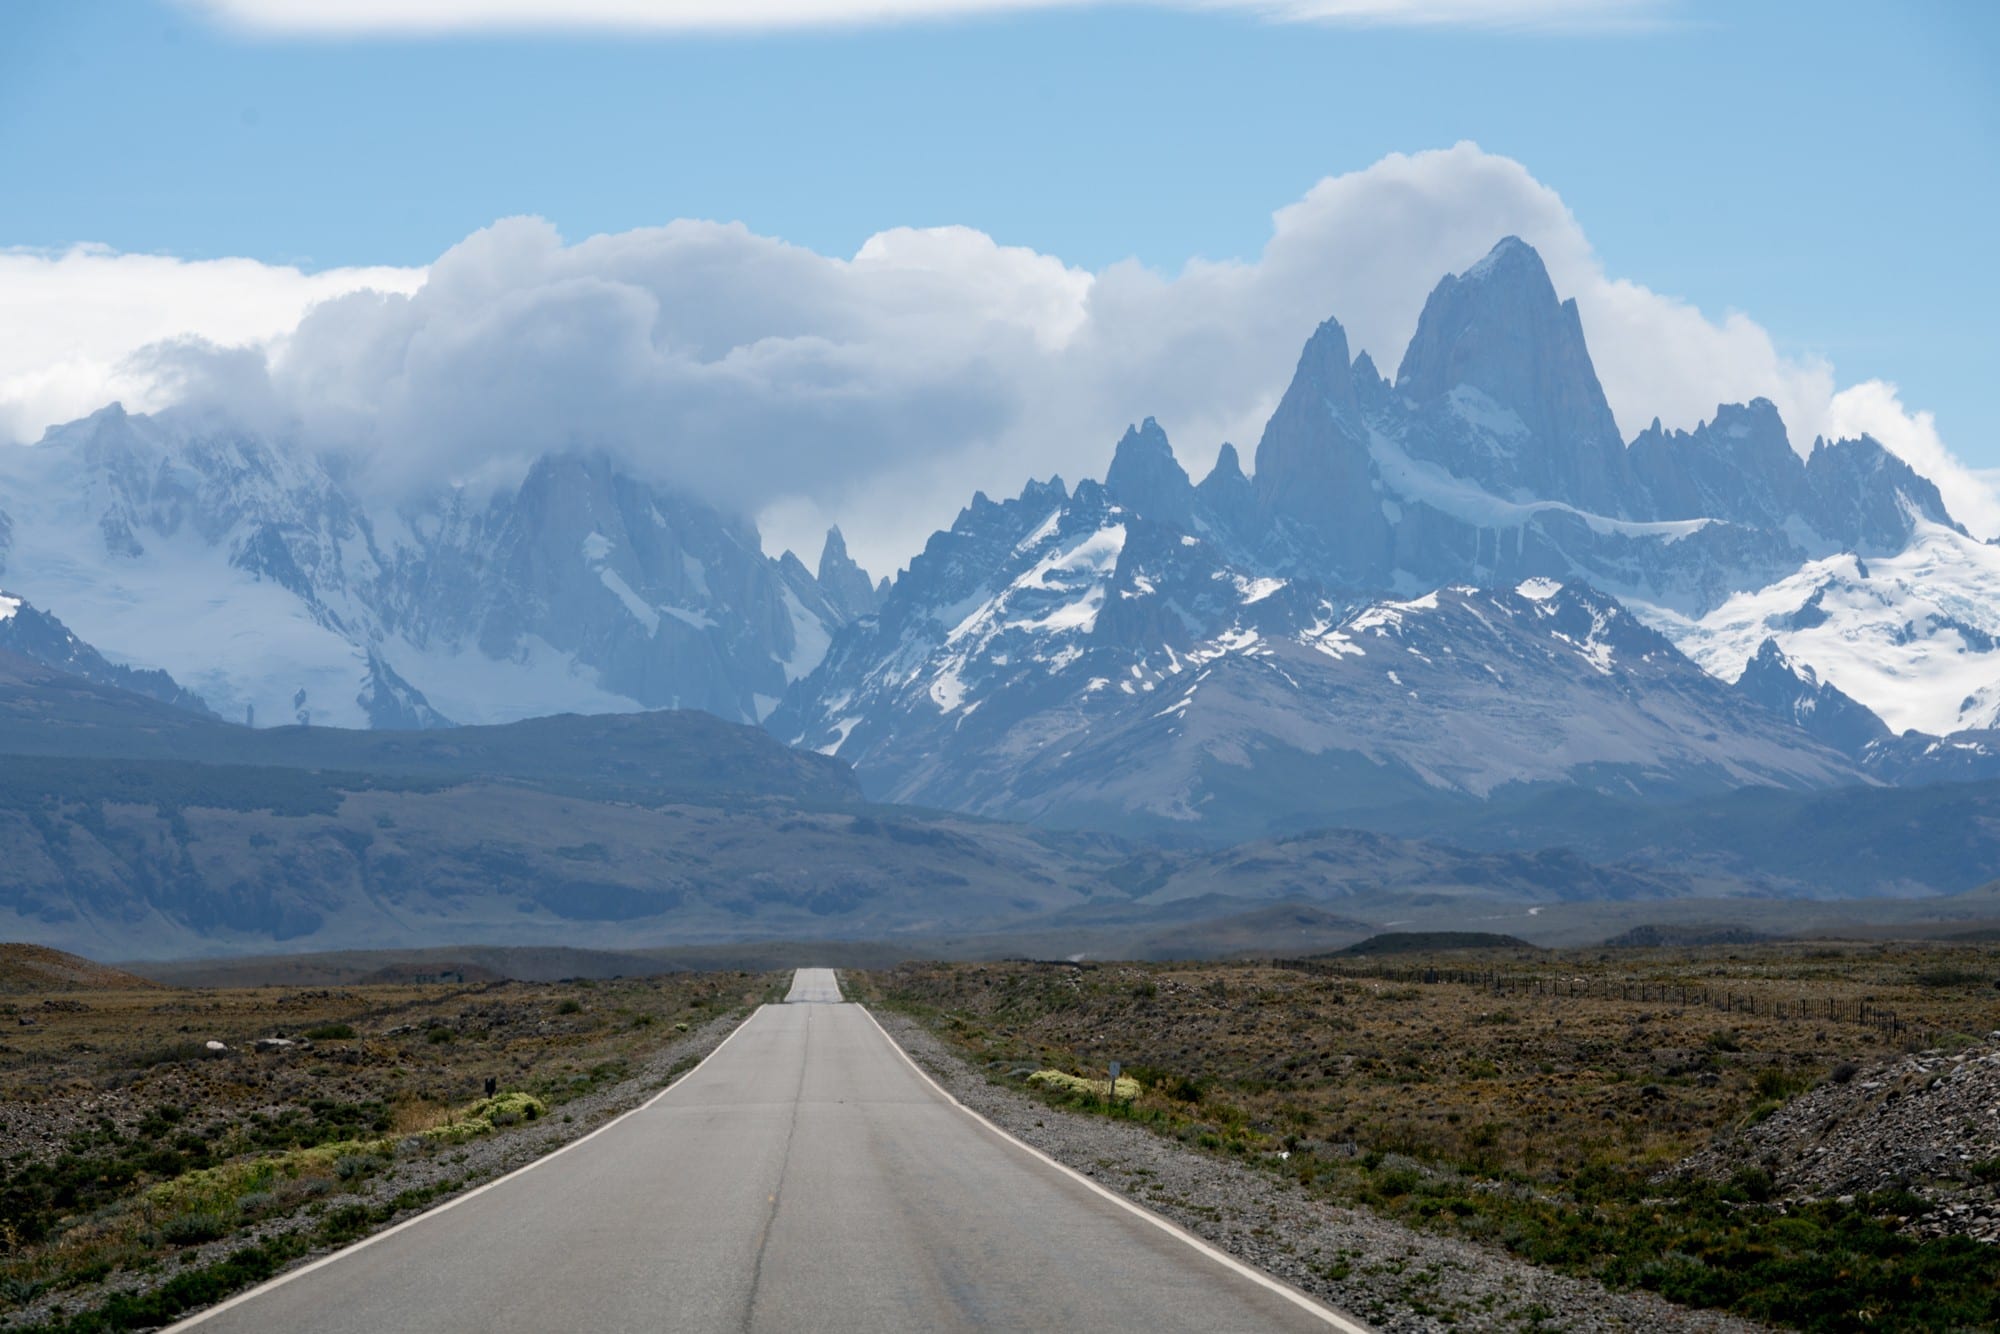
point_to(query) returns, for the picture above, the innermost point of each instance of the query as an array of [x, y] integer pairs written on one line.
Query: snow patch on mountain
[[534, 679], [1538, 589], [810, 637], [1913, 635], [1419, 480]]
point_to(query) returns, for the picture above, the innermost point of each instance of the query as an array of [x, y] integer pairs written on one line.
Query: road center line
[[778, 1190]]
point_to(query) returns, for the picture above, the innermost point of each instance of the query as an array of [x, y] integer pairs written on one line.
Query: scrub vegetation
[[134, 1155], [1552, 1104]]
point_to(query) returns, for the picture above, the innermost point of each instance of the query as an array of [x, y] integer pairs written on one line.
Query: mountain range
[[278, 592], [134, 827], [1430, 591], [1431, 595]]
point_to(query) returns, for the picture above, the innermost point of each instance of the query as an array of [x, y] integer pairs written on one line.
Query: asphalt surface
[[804, 1177]]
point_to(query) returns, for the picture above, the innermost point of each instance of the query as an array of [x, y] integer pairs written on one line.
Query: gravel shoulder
[[1388, 1275], [438, 1172]]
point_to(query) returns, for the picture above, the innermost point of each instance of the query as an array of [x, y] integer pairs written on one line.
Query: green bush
[[194, 1229], [1167, 1083], [330, 1032], [345, 1224], [16, 1291], [355, 1166], [1778, 1084]]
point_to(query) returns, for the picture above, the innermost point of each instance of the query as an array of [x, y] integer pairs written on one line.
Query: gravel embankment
[[1394, 1278], [457, 1168], [1927, 1123]]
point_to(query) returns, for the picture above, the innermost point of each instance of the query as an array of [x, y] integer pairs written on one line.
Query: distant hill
[[27, 969], [50, 713], [152, 859], [1291, 928], [135, 829], [1435, 942], [1353, 868], [1860, 841]]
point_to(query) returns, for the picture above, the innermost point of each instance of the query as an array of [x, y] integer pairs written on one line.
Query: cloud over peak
[[880, 389]]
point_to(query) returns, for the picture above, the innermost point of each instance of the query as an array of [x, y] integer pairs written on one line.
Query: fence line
[[1801, 1009]]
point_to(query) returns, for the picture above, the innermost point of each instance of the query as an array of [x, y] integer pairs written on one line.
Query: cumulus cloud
[[881, 389], [425, 17], [76, 318]]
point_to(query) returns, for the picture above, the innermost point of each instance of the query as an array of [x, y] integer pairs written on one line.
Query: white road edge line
[[1172, 1229], [268, 1284]]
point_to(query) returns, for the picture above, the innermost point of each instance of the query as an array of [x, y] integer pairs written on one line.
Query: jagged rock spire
[[1147, 479], [846, 586], [1497, 340]]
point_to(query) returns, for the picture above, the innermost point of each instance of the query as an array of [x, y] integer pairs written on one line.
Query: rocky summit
[[1440, 587]]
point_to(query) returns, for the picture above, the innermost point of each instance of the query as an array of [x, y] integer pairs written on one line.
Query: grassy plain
[[1534, 1100], [132, 1155]]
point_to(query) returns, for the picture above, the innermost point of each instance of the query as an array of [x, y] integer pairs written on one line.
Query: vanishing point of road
[[806, 1176]]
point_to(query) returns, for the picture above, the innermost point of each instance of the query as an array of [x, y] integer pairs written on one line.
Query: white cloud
[[75, 318], [429, 17], [1874, 407], [882, 389]]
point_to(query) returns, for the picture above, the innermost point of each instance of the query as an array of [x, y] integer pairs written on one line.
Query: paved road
[[805, 1177]]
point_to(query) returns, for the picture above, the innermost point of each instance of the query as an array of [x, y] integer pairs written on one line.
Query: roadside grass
[[1544, 1125], [134, 1155]]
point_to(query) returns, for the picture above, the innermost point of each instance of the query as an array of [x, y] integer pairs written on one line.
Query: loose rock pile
[[1928, 1124]]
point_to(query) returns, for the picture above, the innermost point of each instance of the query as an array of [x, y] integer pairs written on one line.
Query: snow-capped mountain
[[1038, 657], [1493, 458], [1439, 585], [1912, 633], [1065, 659], [1822, 709], [260, 577]]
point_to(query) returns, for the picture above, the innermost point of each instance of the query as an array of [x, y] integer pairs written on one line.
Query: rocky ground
[[1389, 1275], [1928, 1124]]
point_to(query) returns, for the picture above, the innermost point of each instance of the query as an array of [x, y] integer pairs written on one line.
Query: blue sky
[[1833, 170]]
